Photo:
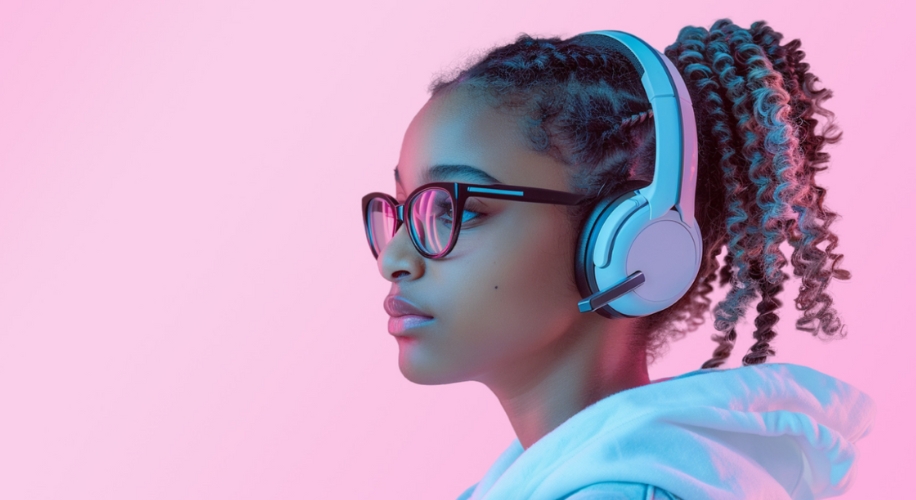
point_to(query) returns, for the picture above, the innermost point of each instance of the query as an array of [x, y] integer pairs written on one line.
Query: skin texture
[[504, 300]]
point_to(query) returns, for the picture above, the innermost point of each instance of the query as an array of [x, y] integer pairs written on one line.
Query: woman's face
[[503, 302]]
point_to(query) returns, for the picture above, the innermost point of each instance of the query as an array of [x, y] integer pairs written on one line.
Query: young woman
[[520, 154]]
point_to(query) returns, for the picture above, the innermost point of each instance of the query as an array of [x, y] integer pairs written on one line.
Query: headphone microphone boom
[[601, 299], [640, 252]]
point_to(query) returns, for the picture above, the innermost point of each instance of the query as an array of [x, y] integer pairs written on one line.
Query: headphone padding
[[588, 239]]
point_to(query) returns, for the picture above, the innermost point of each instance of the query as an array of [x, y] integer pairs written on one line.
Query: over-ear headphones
[[640, 252]]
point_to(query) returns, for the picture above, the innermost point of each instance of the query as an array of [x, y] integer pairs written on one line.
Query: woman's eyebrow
[[443, 172]]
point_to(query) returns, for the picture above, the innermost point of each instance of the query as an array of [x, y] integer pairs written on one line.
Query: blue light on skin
[[504, 300]]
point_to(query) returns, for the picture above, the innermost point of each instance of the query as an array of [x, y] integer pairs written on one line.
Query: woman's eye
[[468, 216]]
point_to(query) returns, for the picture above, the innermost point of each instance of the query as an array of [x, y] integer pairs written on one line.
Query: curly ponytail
[[770, 188], [757, 112]]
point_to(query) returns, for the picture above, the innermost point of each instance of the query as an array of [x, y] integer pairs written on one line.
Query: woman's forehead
[[456, 130]]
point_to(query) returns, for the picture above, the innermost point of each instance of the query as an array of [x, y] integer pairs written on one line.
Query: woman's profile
[[564, 208]]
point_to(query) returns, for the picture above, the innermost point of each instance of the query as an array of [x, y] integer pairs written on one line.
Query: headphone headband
[[675, 177]]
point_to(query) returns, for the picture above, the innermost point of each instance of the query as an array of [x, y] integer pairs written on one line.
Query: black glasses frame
[[460, 192]]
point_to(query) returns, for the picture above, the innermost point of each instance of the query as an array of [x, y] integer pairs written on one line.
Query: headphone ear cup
[[618, 239], [664, 249]]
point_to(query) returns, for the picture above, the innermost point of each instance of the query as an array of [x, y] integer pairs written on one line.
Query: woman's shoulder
[[622, 491], [608, 491]]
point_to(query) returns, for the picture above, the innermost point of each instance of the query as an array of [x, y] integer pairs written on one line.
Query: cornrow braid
[[757, 112], [636, 119]]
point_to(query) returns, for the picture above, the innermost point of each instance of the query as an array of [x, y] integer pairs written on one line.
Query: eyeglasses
[[433, 209]]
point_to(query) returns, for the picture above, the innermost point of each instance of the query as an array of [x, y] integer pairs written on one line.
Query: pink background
[[188, 309]]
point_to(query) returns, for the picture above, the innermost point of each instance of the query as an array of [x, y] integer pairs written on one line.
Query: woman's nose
[[399, 260]]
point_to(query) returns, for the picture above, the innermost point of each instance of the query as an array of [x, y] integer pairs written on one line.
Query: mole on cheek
[[495, 287]]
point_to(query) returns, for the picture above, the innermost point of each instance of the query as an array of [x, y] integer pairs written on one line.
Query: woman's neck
[[544, 390]]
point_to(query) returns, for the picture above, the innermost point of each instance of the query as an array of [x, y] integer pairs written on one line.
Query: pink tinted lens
[[431, 213], [381, 220]]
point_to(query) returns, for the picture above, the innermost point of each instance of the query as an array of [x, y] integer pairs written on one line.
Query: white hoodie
[[770, 431]]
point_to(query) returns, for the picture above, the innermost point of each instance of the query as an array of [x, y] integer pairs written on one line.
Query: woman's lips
[[404, 315], [398, 325]]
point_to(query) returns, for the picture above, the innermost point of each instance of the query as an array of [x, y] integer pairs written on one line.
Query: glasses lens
[[381, 221], [431, 215]]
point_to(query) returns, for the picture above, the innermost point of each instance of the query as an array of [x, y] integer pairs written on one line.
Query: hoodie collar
[[771, 431]]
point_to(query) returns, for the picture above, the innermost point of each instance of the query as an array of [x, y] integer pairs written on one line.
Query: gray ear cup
[[665, 250], [619, 240]]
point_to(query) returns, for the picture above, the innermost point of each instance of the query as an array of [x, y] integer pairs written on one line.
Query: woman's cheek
[[496, 298]]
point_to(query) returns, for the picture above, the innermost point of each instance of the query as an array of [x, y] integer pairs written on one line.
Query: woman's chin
[[420, 367], [423, 377]]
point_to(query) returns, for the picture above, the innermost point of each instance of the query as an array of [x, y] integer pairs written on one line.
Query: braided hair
[[757, 112]]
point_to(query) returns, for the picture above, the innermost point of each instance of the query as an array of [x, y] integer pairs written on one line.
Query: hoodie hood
[[770, 431]]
